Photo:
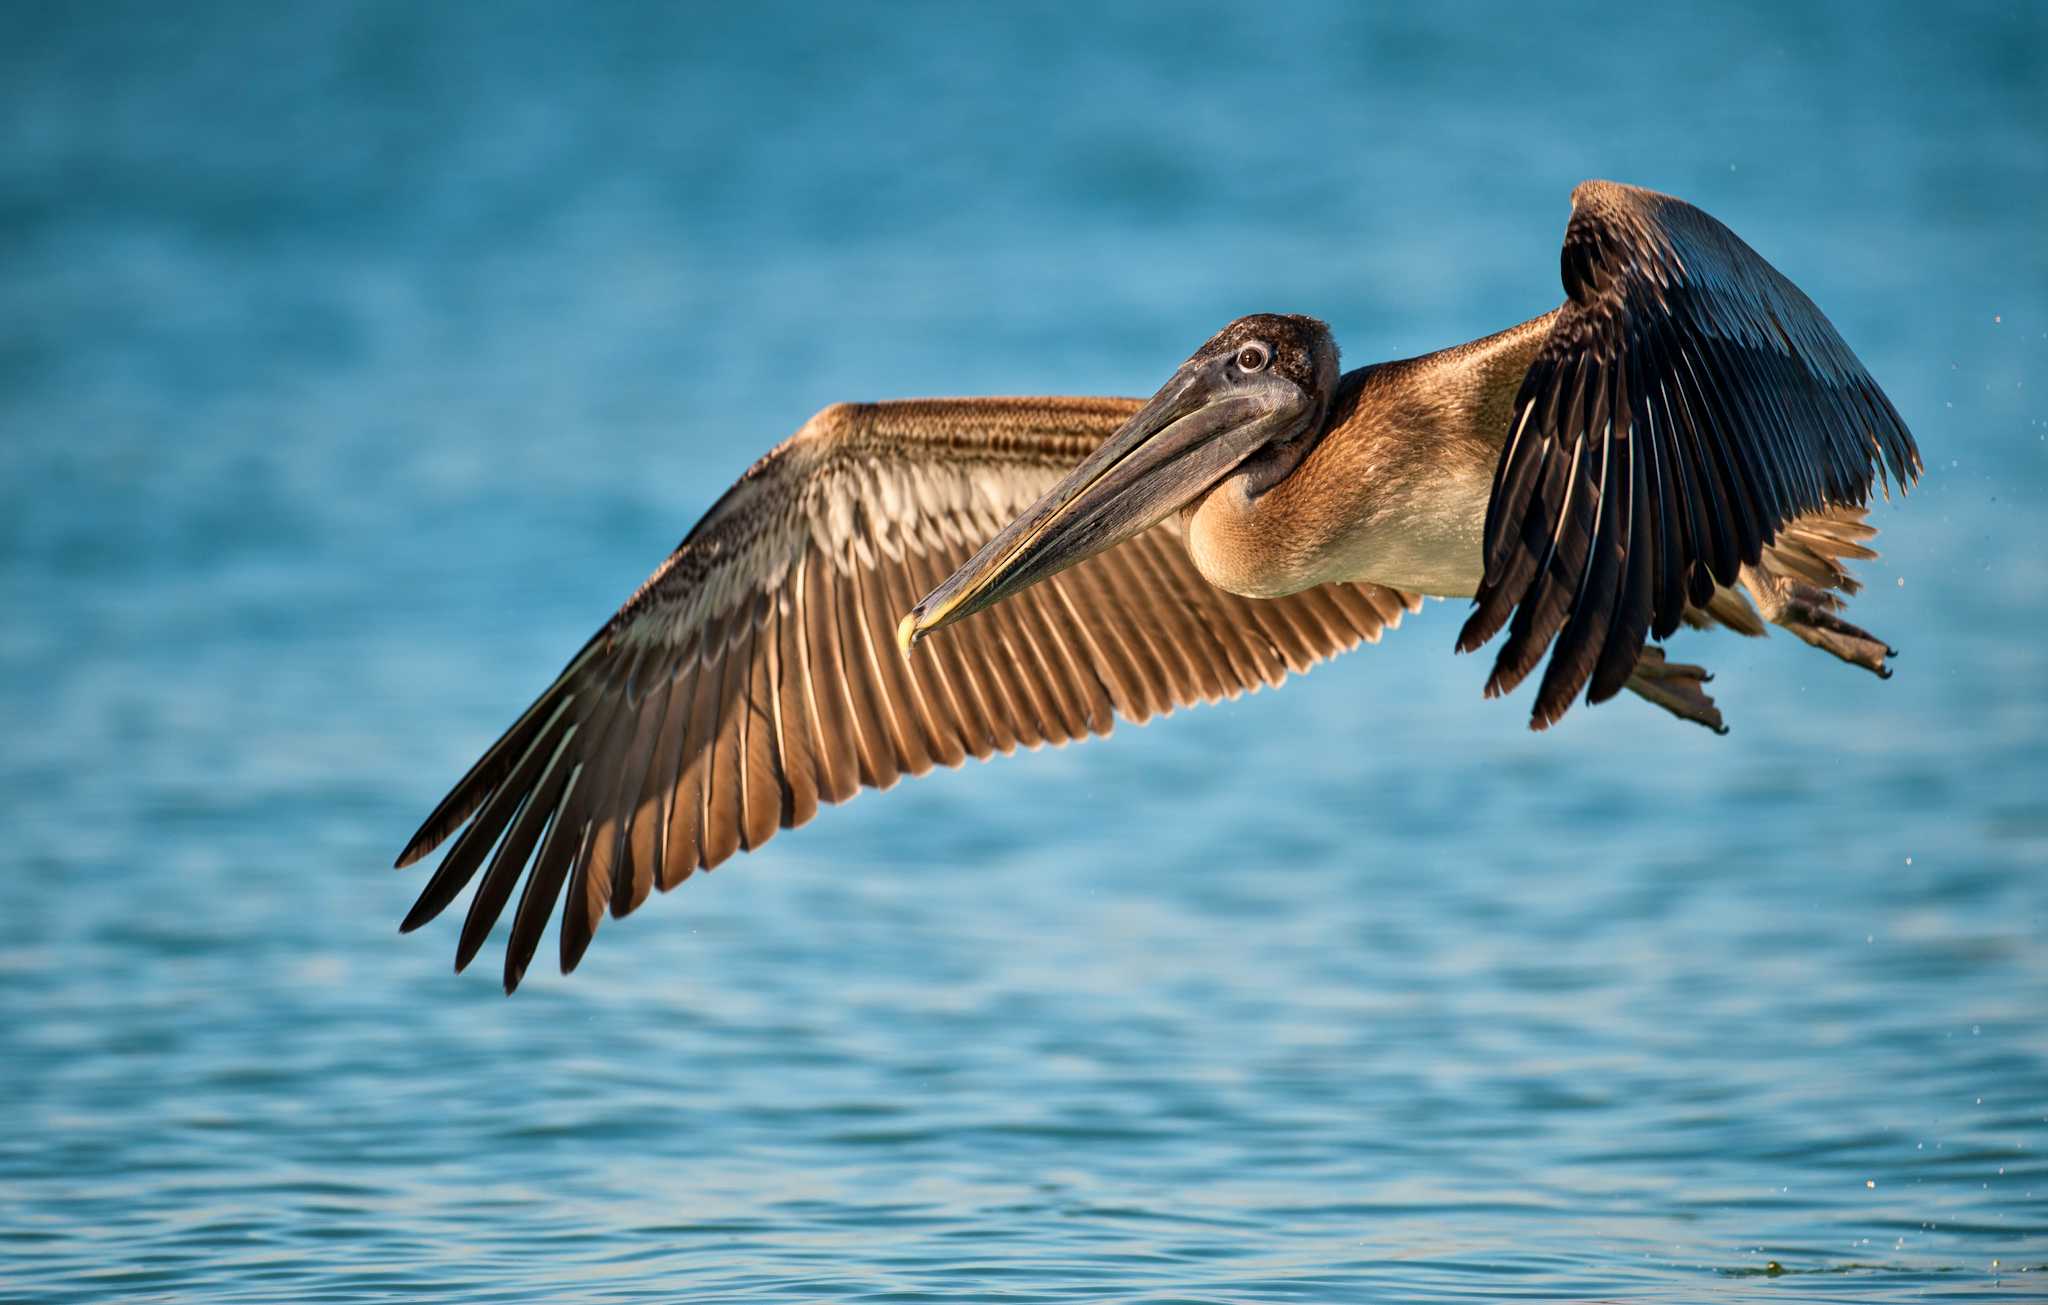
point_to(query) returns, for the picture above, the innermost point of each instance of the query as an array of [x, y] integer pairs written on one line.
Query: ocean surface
[[355, 361]]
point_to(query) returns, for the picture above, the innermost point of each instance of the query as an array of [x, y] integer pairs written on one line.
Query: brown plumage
[[755, 675], [1685, 430]]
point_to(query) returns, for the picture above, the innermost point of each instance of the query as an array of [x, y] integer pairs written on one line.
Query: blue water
[[356, 360]]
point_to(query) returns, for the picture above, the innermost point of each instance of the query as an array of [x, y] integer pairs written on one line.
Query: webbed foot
[[1676, 687], [1809, 613]]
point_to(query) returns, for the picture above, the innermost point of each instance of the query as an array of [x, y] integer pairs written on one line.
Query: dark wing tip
[[1478, 628], [468, 945], [433, 831]]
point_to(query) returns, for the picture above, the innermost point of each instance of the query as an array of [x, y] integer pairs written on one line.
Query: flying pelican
[[1685, 428]]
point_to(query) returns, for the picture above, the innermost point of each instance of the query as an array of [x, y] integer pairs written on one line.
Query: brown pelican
[[1685, 429]]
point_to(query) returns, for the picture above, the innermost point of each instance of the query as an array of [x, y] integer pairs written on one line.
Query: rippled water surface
[[354, 361]]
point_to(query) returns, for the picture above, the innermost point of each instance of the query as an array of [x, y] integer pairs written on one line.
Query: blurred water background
[[355, 360]]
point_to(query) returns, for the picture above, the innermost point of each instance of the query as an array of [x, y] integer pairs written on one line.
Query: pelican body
[[1686, 440]]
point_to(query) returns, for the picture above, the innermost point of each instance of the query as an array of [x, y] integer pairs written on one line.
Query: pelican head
[[1255, 395]]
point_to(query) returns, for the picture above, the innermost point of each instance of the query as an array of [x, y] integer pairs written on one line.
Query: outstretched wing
[[755, 674], [1688, 403]]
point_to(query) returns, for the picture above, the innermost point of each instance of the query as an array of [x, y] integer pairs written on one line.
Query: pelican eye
[[1254, 357]]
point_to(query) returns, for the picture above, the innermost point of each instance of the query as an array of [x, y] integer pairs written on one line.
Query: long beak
[[1170, 452]]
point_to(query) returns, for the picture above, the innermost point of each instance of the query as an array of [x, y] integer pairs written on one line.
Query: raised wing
[[755, 674], [1688, 403]]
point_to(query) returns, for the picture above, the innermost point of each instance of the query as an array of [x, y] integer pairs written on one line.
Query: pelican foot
[[1809, 613], [1676, 687]]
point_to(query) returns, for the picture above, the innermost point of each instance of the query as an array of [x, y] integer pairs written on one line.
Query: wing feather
[[931, 707], [543, 883], [1687, 406], [689, 806], [950, 664], [825, 681], [649, 834], [796, 726], [1164, 658], [719, 835], [510, 859]]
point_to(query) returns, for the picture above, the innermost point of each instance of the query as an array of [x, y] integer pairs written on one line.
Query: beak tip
[[907, 632]]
